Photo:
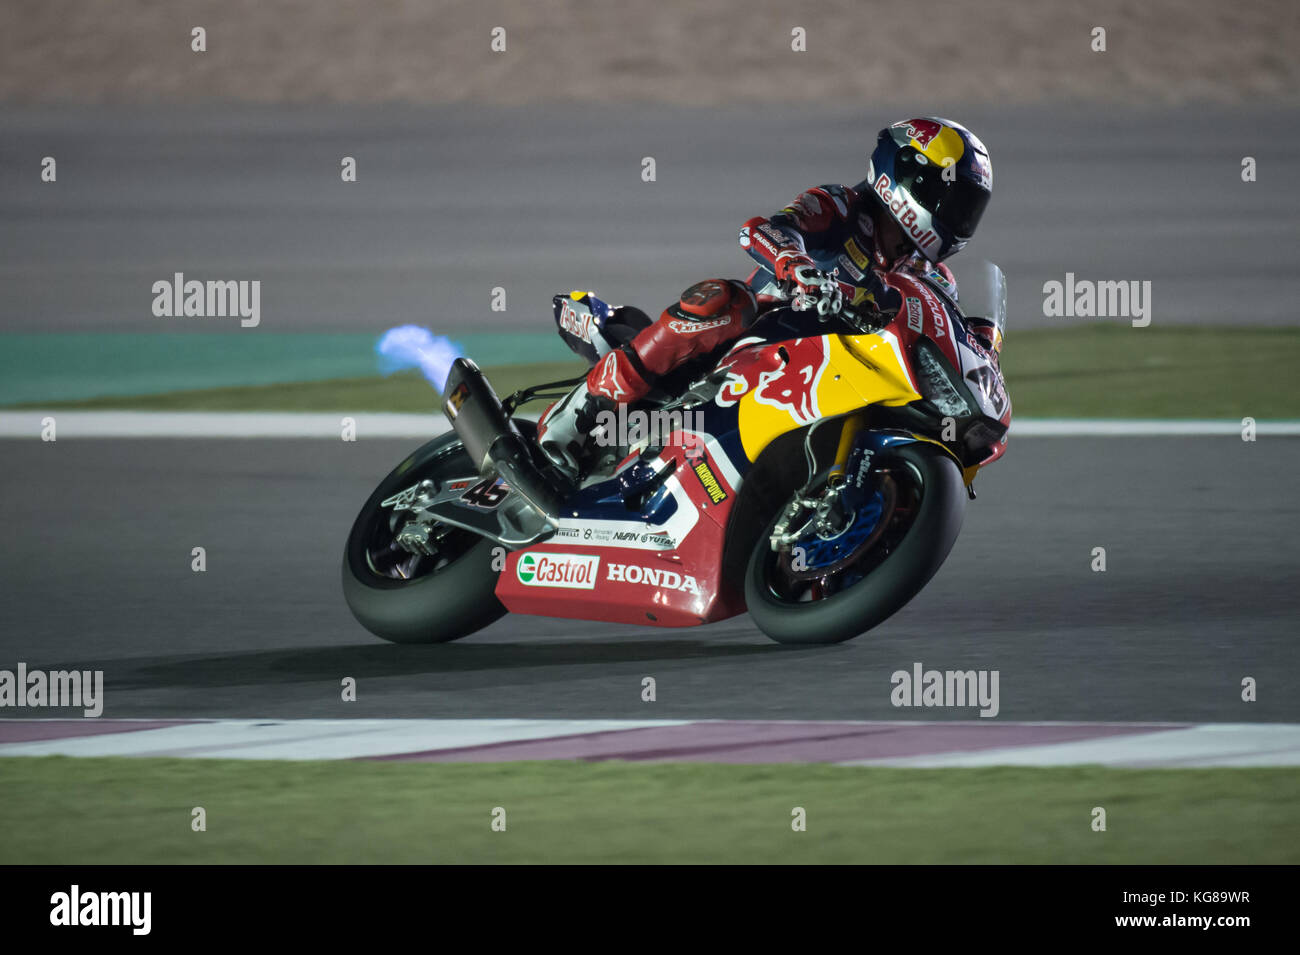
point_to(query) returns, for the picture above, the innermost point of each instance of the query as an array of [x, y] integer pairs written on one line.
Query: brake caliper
[[820, 531], [417, 535]]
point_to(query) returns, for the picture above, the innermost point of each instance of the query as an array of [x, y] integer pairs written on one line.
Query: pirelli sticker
[[709, 482], [857, 255]]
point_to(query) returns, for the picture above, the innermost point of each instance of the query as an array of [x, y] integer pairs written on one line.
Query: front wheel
[[407, 597], [840, 571]]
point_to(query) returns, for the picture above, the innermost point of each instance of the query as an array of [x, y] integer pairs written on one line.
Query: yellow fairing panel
[[847, 373]]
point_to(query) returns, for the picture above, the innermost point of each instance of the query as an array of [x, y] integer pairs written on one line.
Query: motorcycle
[[815, 475]]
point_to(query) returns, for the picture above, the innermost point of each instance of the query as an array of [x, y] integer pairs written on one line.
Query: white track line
[[1214, 744], [316, 739], [1144, 427], [1177, 746], [220, 424], [330, 425]]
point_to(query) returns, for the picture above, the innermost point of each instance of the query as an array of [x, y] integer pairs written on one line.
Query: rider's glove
[[815, 290], [787, 262]]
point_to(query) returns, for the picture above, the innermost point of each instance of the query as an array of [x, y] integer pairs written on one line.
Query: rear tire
[[444, 603], [887, 587]]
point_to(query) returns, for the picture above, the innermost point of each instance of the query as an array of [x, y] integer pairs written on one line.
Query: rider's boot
[[567, 430], [706, 315]]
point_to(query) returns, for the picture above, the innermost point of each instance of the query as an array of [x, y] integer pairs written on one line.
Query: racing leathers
[[821, 248]]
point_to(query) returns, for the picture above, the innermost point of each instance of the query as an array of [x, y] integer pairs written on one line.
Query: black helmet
[[935, 178]]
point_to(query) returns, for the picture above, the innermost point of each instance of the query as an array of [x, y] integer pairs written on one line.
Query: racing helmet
[[935, 178]]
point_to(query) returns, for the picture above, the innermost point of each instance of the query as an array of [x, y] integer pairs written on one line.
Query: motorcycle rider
[[928, 183]]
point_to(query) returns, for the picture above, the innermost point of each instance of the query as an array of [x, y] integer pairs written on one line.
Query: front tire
[[930, 493], [407, 599]]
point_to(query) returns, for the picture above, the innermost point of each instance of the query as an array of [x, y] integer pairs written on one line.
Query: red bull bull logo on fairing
[[789, 382], [793, 386]]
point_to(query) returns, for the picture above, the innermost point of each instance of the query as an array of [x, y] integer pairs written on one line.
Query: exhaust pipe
[[493, 441]]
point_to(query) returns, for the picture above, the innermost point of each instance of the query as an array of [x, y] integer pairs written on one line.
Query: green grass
[[62, 810], [404, 391], [70, 366], [1093, 371], [1110, 371]]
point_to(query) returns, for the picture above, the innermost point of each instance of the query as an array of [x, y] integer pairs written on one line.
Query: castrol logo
[[571, 571]]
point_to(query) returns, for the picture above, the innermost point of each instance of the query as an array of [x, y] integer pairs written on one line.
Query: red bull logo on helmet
[[936, 142], [921, 131], [914, 221]]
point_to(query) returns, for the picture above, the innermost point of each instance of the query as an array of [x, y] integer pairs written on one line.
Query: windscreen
[[983, 290]]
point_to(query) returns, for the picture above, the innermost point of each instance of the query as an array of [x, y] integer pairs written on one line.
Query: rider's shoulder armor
[[818, 209]]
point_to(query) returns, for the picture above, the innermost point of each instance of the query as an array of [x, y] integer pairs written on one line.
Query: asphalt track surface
[[1201, 533], [1199, 592], [453, 202]]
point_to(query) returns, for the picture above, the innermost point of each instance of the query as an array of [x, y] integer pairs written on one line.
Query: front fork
[[847, 488], [853, 424]]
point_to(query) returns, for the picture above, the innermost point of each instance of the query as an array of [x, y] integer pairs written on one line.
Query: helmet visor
[[956, 204]]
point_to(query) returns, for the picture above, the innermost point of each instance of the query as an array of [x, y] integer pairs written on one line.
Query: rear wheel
[[839, 574], [407, 597]]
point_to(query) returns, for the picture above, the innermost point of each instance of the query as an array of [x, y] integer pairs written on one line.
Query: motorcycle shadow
[[316, 664]]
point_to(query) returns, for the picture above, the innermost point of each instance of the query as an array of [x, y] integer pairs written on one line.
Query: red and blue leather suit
[[830, 228]]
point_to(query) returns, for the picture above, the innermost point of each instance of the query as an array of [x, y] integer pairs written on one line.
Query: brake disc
[[821, 551]]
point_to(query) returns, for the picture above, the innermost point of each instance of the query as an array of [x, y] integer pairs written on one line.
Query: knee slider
[[715, 298]]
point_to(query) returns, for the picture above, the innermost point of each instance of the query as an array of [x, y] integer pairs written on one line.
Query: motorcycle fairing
[[787, 385], [929, 314], [661, 562], [637, 579], [755, 403]]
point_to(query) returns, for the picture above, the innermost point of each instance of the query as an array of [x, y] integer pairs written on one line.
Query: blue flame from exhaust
[[412, 346]]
